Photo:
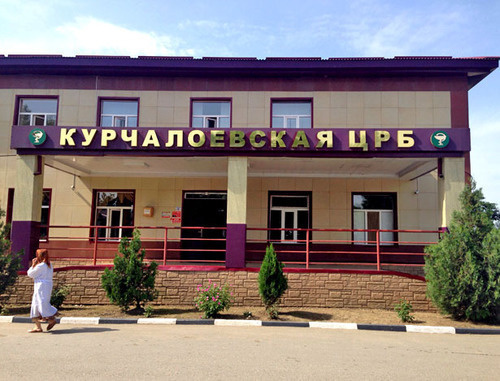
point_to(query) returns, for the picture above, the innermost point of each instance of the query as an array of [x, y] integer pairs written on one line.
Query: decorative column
[[451, 183], [236, 211], [27, 210]]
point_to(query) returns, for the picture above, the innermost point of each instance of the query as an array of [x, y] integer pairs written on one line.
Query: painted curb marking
[[429, 329], [381, 327], [238, 323], [332, 325], [80, 320], [259, 323], [167, 321]]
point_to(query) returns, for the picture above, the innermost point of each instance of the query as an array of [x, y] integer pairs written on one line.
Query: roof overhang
[[474, 68]]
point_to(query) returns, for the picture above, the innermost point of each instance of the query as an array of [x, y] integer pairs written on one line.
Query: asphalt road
[[142, 352]]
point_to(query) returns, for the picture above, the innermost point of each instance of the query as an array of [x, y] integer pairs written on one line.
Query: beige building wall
[[331, 197], [331, 203]]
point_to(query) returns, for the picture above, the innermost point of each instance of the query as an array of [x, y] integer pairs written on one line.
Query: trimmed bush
[[463, 269], [9, 263], [130, 281], [58, 296], [272, 282]]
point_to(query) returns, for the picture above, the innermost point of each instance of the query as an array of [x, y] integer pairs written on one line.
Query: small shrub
[[58, 296], [272, 282], [130, 281], [212, 299], [148, 312], [247, 315], [404, 310]]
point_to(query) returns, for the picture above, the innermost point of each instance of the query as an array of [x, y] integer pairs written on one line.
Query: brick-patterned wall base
[[306, 289]]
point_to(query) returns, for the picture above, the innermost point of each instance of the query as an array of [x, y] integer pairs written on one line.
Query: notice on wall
[[166, 215], [176, 217]]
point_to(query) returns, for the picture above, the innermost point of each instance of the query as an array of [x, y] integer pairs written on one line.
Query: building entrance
[[204, 210]]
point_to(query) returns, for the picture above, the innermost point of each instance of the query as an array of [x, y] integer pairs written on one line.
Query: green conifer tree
[[130, 281], [463, 269], [272, 282]]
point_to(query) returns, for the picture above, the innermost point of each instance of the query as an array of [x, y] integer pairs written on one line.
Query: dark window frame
[[289, 193], [211, 99], [291, 100], [124, 99], [49, 190], [17, 106], [94, 206], [394, 196]]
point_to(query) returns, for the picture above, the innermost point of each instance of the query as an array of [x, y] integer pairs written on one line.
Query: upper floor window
[[119, 112], [37, 112], [211, 114], [291, 114]]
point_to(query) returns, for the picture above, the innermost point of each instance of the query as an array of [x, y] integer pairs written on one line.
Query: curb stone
[[259, 323]]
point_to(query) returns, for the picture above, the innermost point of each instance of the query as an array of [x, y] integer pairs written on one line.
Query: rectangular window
[[374, 211], [118, 112], [289, 211], [37, 111], [291, 114], [45, 219], [45, 215], [114, 209], [211, 114]]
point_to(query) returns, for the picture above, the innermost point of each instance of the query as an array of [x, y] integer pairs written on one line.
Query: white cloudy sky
[[318, 28]]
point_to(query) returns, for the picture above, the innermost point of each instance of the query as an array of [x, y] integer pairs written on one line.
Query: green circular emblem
[[37, 136], [440, 139]]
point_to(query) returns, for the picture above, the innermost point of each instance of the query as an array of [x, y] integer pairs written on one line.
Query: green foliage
[[58, 296], [9, 263], [404, 310], [272, 282], [148, 312], [463, 269], [212, 299], [130, 281]]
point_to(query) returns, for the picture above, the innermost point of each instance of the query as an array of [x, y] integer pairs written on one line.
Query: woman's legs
[[38, 326], [52, 322]]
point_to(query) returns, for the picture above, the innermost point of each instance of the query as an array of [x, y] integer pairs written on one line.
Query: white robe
[[40, 304]]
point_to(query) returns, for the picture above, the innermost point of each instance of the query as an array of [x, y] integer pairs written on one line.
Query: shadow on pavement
[[80, 330]]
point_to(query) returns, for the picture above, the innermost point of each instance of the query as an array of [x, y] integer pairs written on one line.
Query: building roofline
[[475, 68]]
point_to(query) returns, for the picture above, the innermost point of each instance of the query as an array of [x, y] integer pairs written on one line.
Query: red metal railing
[[316, 247], [171, 247], [346, 251]]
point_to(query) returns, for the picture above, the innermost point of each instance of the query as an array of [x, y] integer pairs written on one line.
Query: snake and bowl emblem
[[37, 136], [440, 139]]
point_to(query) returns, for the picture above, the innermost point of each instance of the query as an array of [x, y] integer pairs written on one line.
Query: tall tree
[[463, 269]]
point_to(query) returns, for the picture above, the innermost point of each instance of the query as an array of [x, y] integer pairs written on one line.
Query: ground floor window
[[114, 209], [374, 211], [45, 217], [289, 211]]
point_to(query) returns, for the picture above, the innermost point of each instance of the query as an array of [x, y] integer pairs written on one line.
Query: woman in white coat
[[41, 271]]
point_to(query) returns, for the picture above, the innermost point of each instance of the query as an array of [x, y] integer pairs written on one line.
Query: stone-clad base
[[306, 289]]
